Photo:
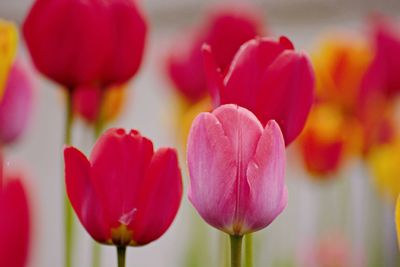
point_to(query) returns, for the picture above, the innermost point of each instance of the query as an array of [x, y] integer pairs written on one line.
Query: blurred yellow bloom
[[340, 63], [186, 114], [8, 47], [384, 162], [114, 101]]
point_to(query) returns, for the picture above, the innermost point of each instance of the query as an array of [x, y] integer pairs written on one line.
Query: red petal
[[246, 71], [128, 39], [14, 224], [159, 197], [119, 163], [286, 93], [214, 78], [82, 195]]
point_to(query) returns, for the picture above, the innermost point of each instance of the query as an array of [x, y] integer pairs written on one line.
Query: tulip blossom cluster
[[356, 81]]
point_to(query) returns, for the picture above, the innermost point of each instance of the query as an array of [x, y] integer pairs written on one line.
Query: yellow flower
[[384, 162], [8, 47], [340, 63]]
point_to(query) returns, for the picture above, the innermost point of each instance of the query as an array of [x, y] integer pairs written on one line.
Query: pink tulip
[[16, 104], [226, 29], [270, 79], [126, 193], [14, 221], [237, 170]]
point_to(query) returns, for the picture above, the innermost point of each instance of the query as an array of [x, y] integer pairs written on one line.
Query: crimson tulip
[[270, 79], [91, 102], [14, 222], [225, 29], [126, 194], [237, 170], [16, 104], [76, 42]]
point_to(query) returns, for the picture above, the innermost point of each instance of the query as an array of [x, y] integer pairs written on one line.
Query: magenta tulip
[[270, 79], [126, 194], [16, 104], [237, 170], [226, 29], [14, 221]]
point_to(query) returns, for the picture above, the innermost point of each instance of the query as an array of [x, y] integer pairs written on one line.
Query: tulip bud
[[237, 170], [270, 79], [126, 194]]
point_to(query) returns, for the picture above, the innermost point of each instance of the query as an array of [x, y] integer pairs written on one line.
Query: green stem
[[68, 213], [121, 251], [248, 250], [236, 250], [95, 254], [97, 129], [99, 123]]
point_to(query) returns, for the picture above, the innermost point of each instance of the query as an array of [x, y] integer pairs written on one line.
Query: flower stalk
[[68, 214], [236, 250], [121, 251]]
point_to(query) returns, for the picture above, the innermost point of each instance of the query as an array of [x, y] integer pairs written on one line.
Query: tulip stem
[[236, 250], [248, 250], [68, 213], [121, 251], [95, 254], [99, 123]]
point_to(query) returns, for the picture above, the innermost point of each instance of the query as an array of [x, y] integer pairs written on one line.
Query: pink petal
[[82, 195], [14, 224], [266, 177], [286, 93], [159, 197], [119, 162], [16, 104], [219, 148]]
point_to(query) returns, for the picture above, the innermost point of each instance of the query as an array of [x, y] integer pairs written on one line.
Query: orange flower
[[8, 47]]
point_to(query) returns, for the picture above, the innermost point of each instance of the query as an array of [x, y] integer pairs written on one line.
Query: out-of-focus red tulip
[[270, 79], [16, 104], [127, 193], [14, 222], [323, 141], [237, 170], [226, 29], [90, 102], [381, 84], [76, 42]]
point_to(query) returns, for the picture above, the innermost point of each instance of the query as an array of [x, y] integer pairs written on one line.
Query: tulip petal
[[159, 199], [119, 162], [266, 178], [14, 224], [82, 195], [286, 93], [247, 69], [213, 76], [128, 41], [219, 147]]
